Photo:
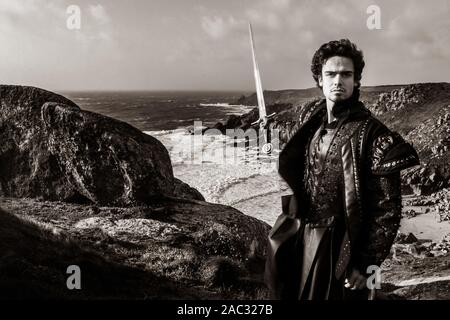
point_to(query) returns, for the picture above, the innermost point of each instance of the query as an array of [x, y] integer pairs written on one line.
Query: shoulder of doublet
[[389, 151], [309, 109]]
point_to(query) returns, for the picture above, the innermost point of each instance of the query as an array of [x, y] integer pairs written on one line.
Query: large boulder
[[51, 149], [28, 169]]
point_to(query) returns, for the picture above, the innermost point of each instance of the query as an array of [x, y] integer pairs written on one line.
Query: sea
[[226, 169]]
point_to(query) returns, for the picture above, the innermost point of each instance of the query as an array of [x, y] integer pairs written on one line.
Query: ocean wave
[[164, 132], [224, 104]]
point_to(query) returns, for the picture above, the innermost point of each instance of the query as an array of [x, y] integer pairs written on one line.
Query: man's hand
[[356, 281]]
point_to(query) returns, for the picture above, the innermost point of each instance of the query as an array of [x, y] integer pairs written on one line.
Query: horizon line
[[247, 91], [236, 90]]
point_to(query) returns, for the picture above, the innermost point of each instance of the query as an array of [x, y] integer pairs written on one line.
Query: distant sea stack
[[51, 149]]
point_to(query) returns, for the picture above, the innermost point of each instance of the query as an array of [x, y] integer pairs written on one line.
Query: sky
[[204, 44]]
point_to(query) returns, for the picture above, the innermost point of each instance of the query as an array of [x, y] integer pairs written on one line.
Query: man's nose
[[338, 79]]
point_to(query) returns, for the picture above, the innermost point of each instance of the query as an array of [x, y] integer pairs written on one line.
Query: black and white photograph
[[247, 151]]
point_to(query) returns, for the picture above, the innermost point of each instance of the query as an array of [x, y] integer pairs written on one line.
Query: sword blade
[[259, 90]]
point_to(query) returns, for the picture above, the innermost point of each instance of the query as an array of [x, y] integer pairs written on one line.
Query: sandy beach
[[425, 226]]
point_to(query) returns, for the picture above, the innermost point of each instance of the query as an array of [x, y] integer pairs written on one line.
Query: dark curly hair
[[342, 48]]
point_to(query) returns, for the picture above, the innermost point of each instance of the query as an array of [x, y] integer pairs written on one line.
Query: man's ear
[[320, 80]]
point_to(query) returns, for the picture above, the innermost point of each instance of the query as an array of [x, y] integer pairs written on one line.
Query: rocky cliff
[[419, 112]]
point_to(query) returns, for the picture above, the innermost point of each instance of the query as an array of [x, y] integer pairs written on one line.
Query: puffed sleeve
[[388, 155]]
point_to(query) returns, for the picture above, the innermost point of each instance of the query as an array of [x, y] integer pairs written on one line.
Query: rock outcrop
[[419, 112], [417, 269], [281, 97], [35, 260], [425, 179], [441, 200], [397, 99], [51, 149], [431, 139], [244, 122], [180, 248]]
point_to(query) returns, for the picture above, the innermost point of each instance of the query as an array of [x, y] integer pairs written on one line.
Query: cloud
[[18, 7], [280, 4], [96, 28], [267, 14], [218, 27], [150, 42], [35, 37], [423, 33], [98, 12], [288, 32], [29, 21], [214, 26], [268, 20], [338, 12], [40, 20]]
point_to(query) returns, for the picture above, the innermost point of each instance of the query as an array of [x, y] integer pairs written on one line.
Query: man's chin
[[337, 97]]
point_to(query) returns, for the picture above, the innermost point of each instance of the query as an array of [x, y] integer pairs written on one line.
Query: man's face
[[338, 78]]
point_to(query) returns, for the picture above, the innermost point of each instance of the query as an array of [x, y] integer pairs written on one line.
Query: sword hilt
[[263, 119]]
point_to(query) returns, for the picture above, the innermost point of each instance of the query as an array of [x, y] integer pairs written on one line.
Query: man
[[343, 167]]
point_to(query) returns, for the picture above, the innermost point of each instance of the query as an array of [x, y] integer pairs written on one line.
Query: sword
[[263, 117]]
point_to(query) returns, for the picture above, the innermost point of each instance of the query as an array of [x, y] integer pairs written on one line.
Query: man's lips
[[337, 90]]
